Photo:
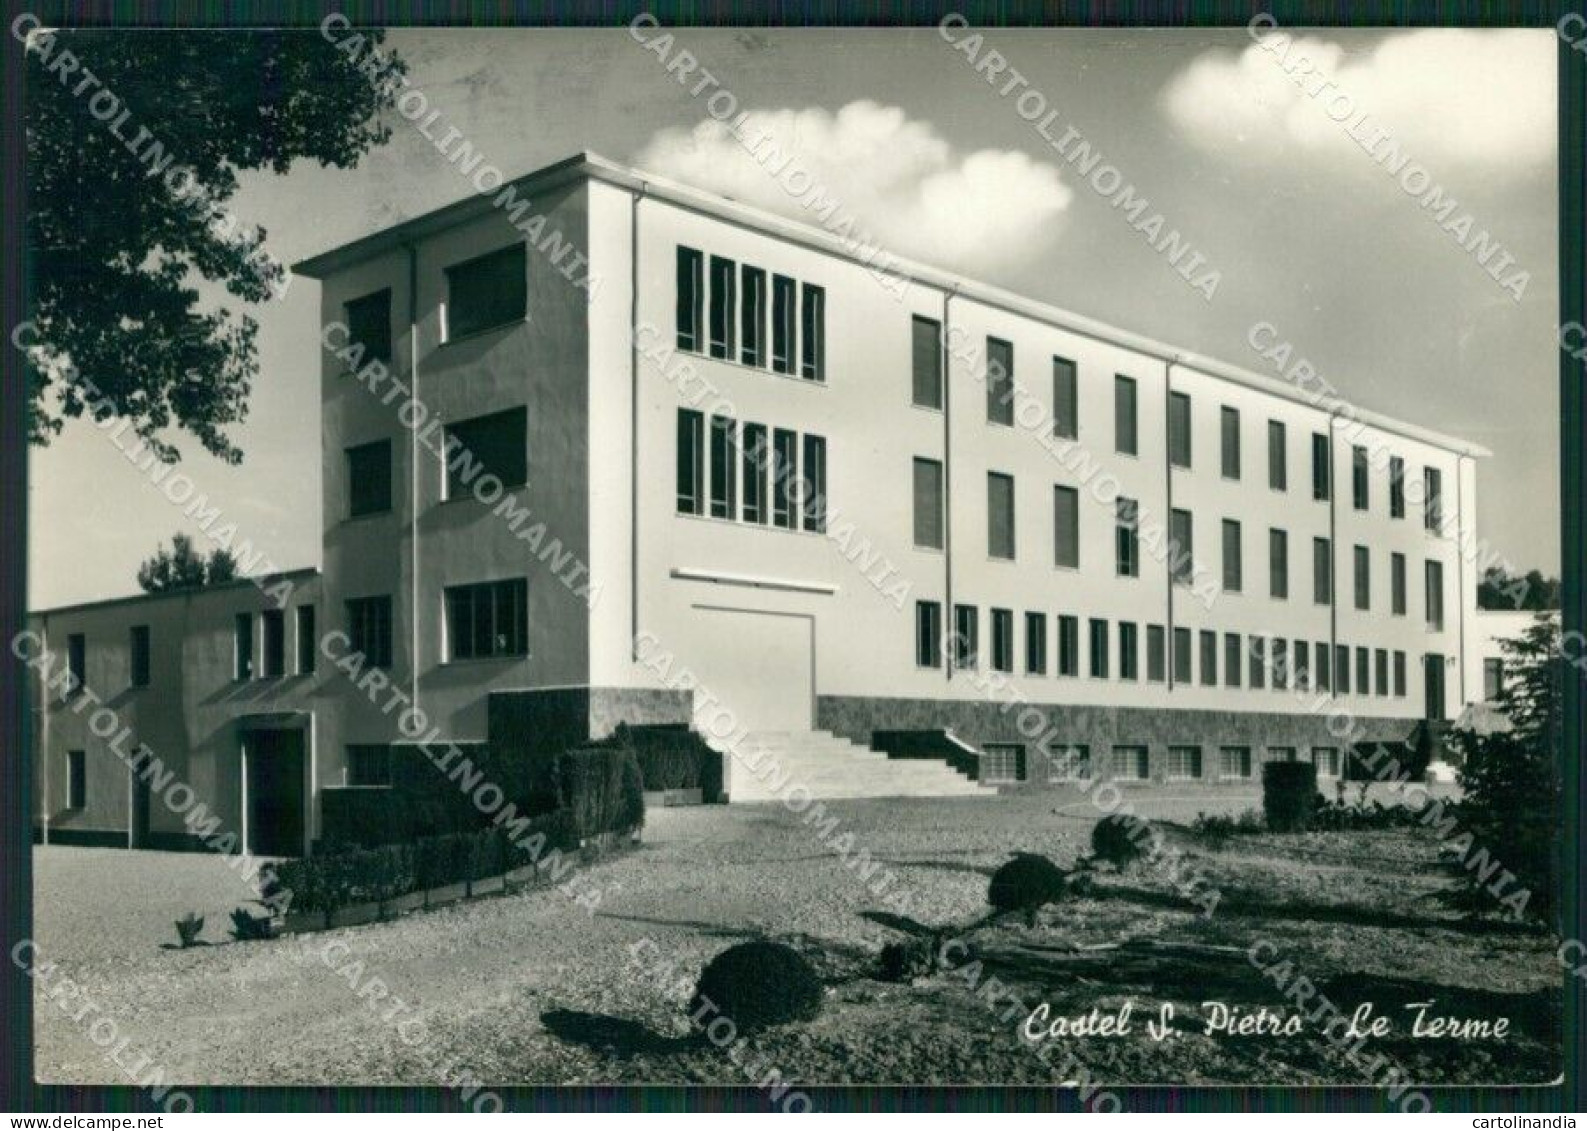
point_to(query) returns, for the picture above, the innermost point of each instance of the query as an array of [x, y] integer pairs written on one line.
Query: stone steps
[[771, 765]]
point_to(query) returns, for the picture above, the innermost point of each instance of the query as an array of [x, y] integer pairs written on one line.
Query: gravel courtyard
[[530, 988]]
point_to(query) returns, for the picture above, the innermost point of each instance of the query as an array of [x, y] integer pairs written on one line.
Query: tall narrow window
[[369, 479], [1179, 429], [1363, 578], [752, 332], [813, 336], [1036, 643], [496, 444], [76, 779], [1321, 666], [815, 483], [487, 621], [1000, 516], [691, 299], [1127, 537], [1358, 477], [1229, 426], [1233, 563], [926, 363], [1209, 658], [1256, 670], [1066, 527], [1129, 651], [928, 634], [1322, 571], [1068, 644], [783, 293], [1380, 667], [140, 655], [724, 467], [1435, 596], [928, 504], [368, 629], [1399, 674], [999, 382], [307, 641], [757, 458], [1278, 657], [691, 462], [1397, 584], [1300, 665], [1396, 487], [1321, 475], [1099, 648], [486, 292], [274, 624], [1434, 493], [784, 468], [1363, 671], [1233, 659], [1277, 456], [1182, 655], [1342, 669], [1065, 399], [77, 662], [242, 647], [1181, 546], [966, 636], [1126, 434], [1002, 640], [1278, 564], [369, 325], [1155, 647], [724, 305]]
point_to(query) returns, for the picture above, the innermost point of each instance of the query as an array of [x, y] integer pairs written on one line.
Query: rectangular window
[[77, 661], [1068, 645], [928, 634], [813, 336], [1322, 571], [1066, 527], [369, 479], [1127, 537], [497, 444], [1399, 674], [1234, 761], [1229, 426], [1002, 762], [1209, 658], [724, 467], [1131, 763], [1277, 456], [273, 623], [1233, 564], [1363, 577], [1300, 664], [966, 636], [782, 323], [307, 641], [369, 325], [1129, 651], [691, 462], [1068, 763], [1342, 669], [368, 764], [1397, 584], [1126, 435], [485, 292], [1358, 477], [1099, 649], [1322, 668], [1233, 659], [928, 504], [487, 620], [757, 458], [242, 647], [1492, 677], [1380, 668], [1278, 662], [815, 483], [1435, 596], [1036, 643], [1257, 668], [1182, 660], [691, 299], [752, 331], [76, 779], [926, 363], [1278, 564], [1179, 429], [369, 629], [1002, 640], [999, 382], [1326, 759], [1184, 763], [1065, 399], [140, 655], [1363, 671], [784, 469], [1000, 516], [1396, 487], [1156, 646], [1181, 546], [1321, 473], [1433, 517], [724, 306]]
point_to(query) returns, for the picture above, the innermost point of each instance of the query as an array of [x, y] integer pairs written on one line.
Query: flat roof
[[592, 166], [167, 594]]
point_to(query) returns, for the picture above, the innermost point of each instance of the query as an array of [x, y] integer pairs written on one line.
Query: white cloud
[[906, 187], [1476, 98]]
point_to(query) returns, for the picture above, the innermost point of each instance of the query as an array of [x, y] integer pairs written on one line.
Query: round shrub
[[756, 985], [905, 961], [1289, 795], [1026, 883], [1120, 839]]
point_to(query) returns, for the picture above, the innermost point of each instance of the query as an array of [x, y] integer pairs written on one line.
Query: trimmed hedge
[[670, 756], [1289, 795], [600, 790]]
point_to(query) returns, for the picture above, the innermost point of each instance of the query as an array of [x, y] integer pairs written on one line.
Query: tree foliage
[[183, 567], [1500, 589], [135, 141]]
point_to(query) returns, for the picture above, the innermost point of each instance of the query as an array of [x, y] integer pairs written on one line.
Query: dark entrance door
[[275, 792], [1434, 681]]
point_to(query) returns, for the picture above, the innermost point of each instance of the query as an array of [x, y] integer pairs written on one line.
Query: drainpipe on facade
[[1460, 572], [44, 726], [949, 614], [413, 468], [1333, 554], [1168, 490], [633, 421]]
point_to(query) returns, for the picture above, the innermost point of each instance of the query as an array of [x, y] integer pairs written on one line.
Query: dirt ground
[[531, 988]]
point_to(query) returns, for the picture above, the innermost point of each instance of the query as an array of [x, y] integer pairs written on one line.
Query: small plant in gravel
[[757, 985], [1026, 884], [188, 928], [247, 927], [1120, 839]]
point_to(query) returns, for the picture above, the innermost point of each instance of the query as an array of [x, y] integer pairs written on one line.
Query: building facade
[[600, 447]]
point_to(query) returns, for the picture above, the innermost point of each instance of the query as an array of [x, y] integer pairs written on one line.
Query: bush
[[601, 791], [365, 818], [1027, 883], [905, 961], [247, 927], [1217, 828], [757, 985], [188, 928], [1120, 839], [1289, 795]]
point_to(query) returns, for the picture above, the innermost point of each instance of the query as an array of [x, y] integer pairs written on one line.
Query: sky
[[1306, 232]]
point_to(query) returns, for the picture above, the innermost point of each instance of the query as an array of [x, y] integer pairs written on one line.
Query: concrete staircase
[[766, 765]]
